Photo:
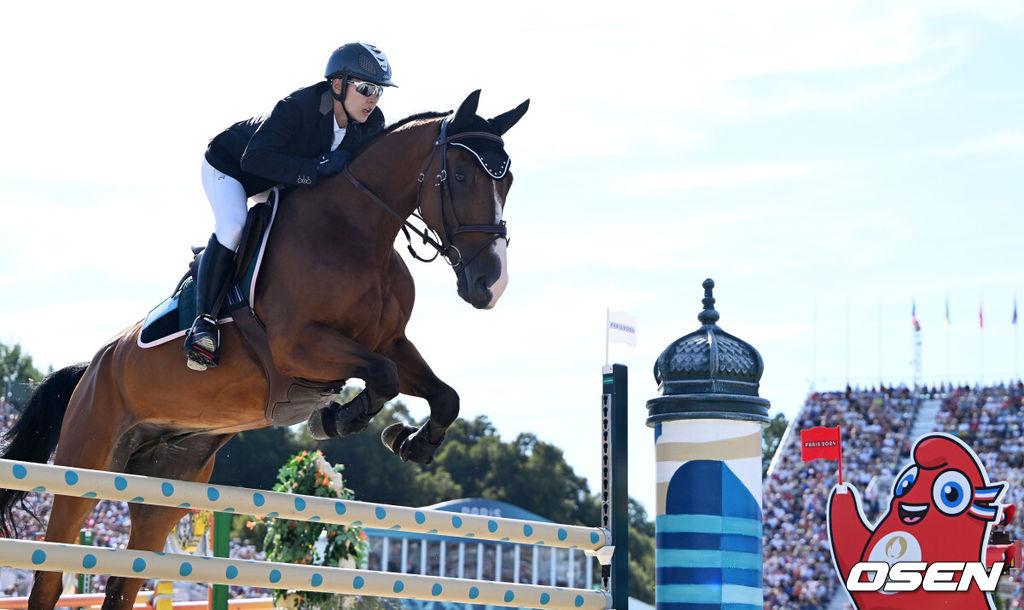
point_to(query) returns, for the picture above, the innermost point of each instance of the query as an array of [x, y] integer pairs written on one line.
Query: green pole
[[614, 486], [221, 535], [85, 580]]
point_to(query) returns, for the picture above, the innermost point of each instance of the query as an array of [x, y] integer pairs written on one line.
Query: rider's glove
[[332, 162]]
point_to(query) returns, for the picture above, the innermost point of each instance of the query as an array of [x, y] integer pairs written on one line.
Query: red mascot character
[[942, 507]]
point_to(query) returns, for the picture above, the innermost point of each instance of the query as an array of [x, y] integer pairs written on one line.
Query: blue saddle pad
[[173, 317]]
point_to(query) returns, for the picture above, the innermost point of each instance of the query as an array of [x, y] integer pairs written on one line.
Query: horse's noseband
[[443, 245]]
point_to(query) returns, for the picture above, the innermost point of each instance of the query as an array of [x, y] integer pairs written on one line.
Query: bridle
[[443, 242]]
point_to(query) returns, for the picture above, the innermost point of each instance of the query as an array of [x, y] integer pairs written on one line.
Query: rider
[[309, 134]]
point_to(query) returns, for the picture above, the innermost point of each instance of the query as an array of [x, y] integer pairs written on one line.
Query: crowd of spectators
[[991, 421], [798, 572]]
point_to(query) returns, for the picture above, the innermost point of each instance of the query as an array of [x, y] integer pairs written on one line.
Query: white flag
[[622, 328]]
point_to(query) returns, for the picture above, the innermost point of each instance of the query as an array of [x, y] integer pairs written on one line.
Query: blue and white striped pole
[[707, 429]]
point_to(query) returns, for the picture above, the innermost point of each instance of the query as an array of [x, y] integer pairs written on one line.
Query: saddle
[[289, 400]]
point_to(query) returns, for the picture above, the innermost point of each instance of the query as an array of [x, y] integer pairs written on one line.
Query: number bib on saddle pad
[[289, 400]]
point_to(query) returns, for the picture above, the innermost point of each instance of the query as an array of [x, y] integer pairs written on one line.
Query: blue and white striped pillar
[[707, 429]]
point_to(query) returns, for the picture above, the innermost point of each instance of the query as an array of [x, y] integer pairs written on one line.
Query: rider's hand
[[333, 162]]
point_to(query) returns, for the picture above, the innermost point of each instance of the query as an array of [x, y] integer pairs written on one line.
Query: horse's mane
[[396, 126], [415, 117]]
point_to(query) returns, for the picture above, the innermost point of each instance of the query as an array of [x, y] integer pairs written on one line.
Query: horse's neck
[[388, 168]]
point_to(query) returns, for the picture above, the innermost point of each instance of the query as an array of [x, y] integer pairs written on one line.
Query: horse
[[333, 297]]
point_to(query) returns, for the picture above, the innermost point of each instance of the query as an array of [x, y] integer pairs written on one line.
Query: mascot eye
[[906, 482], [951, 492]]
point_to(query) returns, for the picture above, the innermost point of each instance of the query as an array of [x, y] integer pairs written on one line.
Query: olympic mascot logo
[[928, 549]]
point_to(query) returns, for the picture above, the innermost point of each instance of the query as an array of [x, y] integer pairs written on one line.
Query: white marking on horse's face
[[500, 246]]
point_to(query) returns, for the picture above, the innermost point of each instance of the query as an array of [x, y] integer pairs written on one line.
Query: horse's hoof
[[354, 416], [320, 429], [394, 437], [418, 448]]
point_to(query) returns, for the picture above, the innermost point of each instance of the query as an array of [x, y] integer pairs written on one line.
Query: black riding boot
[[202, 343]]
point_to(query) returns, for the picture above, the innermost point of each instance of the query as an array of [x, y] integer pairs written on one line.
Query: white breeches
[[229, 203]]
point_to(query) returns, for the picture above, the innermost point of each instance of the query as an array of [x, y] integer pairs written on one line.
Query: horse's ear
[[464, 115], [504, 122]]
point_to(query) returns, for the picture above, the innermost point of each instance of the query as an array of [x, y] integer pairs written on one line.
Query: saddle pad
[[172, 318]]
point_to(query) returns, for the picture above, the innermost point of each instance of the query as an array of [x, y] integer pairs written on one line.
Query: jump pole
[[80, 482], [48, 556]]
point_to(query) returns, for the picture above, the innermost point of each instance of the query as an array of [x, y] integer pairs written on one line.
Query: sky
[[829, 164]]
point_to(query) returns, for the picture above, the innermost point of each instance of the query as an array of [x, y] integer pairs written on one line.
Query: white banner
[[622, 328]]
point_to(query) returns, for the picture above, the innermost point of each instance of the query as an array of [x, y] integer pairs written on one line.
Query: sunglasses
[[367, 89]]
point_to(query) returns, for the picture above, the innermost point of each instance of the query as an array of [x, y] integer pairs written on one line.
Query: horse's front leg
[[340, 358], [416, 379]]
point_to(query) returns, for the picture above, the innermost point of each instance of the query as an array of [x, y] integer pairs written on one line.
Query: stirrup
[[202, 343]]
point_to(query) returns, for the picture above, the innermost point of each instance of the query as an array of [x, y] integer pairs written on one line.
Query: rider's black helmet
[[360, 61]]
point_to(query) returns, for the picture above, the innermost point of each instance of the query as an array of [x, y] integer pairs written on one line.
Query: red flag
[[823, 443], [981, 318]]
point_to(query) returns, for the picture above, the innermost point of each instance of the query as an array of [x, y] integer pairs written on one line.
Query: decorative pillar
[[707, 433]]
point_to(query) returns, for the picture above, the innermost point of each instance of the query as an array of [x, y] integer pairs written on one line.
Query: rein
[[443, 244]]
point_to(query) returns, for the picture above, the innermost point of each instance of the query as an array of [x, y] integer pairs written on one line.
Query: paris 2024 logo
[[928, 549]]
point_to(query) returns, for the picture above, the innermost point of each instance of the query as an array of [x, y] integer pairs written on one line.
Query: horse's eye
[[460, 177]]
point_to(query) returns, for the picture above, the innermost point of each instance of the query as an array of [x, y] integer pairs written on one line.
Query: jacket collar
[[326, 101]]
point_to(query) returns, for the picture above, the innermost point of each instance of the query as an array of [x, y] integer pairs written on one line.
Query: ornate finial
[[709, 315]]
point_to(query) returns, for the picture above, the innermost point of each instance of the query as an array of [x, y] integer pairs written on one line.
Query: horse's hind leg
[[87, 441], [186, 459], [416, 379]]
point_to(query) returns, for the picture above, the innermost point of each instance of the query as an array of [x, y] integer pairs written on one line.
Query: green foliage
[[295, 542], [770, 439], [641, 553], [17, 374]]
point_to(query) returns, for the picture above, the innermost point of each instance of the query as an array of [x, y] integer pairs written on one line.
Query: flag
[[913, 317], [947, 312], [981, 317], [821, 443], [622, 328], [1014, 311]]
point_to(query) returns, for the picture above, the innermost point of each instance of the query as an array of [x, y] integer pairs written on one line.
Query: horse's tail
[[33, 437]]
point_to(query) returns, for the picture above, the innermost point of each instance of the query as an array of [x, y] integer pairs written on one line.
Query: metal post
[[221, 535], [614, 488], [84, 580]]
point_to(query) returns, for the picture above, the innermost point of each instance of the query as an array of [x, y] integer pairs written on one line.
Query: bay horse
[[334, 297]]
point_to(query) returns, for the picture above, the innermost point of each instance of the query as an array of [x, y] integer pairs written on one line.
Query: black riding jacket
[[283, 148]]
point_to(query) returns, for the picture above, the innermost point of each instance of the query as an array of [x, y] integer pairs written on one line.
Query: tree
[[253, 458], [770, 439], [17, 374]]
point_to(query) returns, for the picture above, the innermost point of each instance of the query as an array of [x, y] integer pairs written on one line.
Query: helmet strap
[[341, 97]]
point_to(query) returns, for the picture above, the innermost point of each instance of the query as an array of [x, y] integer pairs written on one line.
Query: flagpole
[[981, 343], [847, 340], [879, 340], [948, 379], [814, 345], [607, 325], [840, 456]]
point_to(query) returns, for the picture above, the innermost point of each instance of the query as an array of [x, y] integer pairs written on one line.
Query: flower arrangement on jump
[[312, 543]]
